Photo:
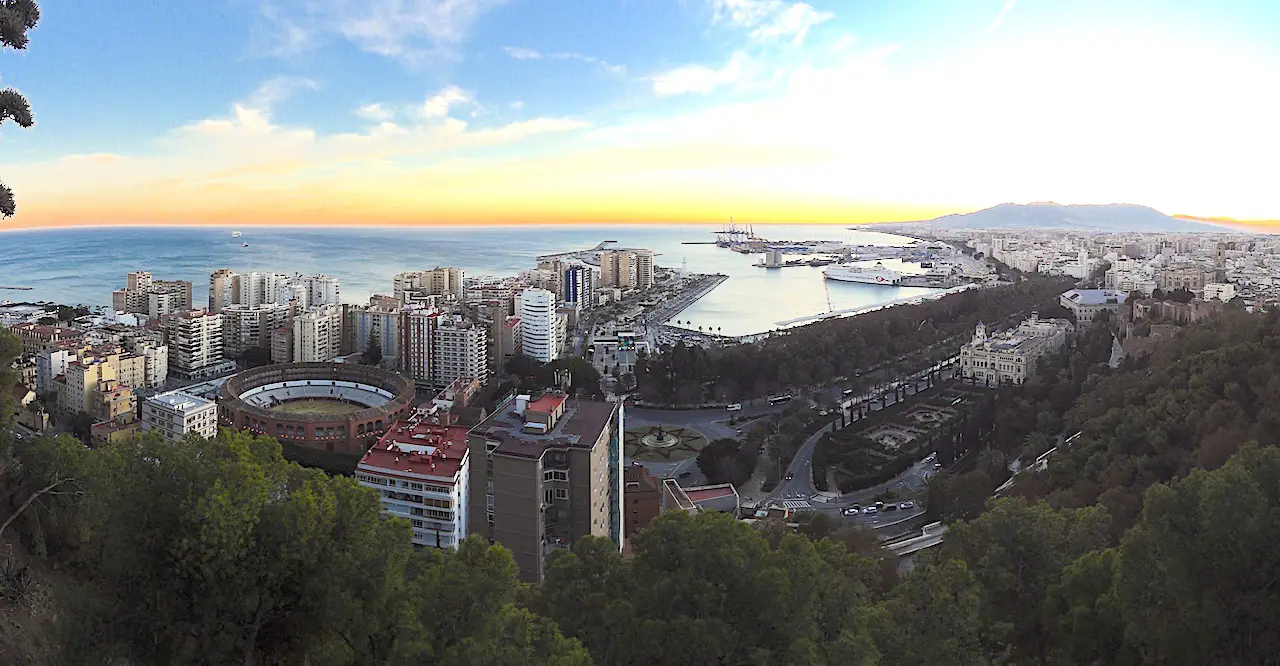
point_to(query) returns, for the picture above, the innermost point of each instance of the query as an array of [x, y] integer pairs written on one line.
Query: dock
[[675, 306], [16, 288]]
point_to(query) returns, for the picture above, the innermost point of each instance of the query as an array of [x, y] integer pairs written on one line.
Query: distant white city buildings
[[1087, 304]]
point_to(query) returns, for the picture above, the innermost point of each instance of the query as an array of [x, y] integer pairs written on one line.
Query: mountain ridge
[[1078, 217]]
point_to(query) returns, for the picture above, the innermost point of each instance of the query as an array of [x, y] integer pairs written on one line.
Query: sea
[[84, 265]]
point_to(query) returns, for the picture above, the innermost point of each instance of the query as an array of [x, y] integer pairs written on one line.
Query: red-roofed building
[[420, 468]]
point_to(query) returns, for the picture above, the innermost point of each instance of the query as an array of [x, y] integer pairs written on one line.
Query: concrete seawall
[[677, 305]]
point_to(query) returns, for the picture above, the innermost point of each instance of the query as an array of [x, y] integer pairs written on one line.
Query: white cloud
[[1008, 7], [521, 53], [438, 105], [700, 79], [517, 105], [375, 112], [770, 20], [394, 28]]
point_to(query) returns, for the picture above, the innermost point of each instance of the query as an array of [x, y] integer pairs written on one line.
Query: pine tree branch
[[47, 489]]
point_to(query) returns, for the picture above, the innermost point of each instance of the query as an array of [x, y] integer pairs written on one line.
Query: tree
[[258, 356], [931, 617], [1214, 599], [372, 351], [17, 17]]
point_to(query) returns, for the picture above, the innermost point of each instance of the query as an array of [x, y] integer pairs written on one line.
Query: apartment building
[[547, 472], [247, 326], [617, 269], [644, 269], [380, 320], [542, 328], [224, 289], [36, 337], [421, 469], [1222, 291], [447, 282], [51, 363], [460, 348], [579, 284], [195, 345], [1011, 357], [176, 414], [317, 334], [140, 286]]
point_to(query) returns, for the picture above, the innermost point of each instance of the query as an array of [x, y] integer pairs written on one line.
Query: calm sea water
[[85, 265]]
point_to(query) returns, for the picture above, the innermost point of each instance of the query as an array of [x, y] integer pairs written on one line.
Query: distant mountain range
[[1104, 217]]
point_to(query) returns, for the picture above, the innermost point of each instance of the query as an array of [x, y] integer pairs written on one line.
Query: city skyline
[[507, 112]]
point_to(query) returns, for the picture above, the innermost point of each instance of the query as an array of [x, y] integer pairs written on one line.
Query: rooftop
[[1095, 296], [180, 401], [421, 446], [547, 404], [581, 425], [704, 493]]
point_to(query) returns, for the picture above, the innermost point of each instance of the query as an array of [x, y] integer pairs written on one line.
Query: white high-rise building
[[460, 348], [50, 363], [644, 273], [322, 290], [542, 337], [195, 345], [579, 285], [223, 289], [446, 281], [317, 334], [176, 413]]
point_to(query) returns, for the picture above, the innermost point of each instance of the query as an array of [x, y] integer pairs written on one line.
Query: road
[[801, 486], [702, 420]]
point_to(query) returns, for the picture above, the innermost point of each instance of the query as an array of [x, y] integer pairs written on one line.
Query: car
[[739, 431], [851, 511], [907, 505], [890, 507], [735, 407], [937, 465], [848, 392], [870, 510], [790, 476]]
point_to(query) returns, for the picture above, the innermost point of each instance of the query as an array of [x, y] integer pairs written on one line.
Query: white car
[[907, 505], [870, 510], [851, 511]]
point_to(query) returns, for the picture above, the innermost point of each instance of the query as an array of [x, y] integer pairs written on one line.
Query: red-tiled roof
[[547, 404], [426, 448]]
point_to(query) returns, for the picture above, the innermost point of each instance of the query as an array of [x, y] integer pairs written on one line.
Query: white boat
[[877, 274], [235, 234]]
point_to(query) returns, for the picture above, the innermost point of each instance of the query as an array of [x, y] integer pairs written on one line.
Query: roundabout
[[662, 443]]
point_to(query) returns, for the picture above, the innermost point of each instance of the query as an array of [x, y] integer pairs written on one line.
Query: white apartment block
[[541, 329], [438, 281], [460, 349], [50, 363], [1011, 357], [223, 289], [322, 290], [195, 345], [317, 334], [175, 414], [421, 471]]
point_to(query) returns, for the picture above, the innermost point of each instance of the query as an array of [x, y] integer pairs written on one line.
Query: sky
[[387, 112]]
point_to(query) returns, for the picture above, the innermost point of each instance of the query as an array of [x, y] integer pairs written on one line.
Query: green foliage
[[17, 18], [727, 460], [821, 352], [372, 354], [533, 376]]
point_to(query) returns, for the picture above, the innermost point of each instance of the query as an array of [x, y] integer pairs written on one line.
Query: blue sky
[[553, 87]]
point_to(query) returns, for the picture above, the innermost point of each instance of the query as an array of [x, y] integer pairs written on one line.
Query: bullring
[[334, 407]]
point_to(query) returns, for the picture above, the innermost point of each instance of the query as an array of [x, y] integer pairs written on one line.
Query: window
[[562, 493], [555, 475]]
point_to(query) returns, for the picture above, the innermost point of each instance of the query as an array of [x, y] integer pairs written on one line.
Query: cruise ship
[[877, 274]]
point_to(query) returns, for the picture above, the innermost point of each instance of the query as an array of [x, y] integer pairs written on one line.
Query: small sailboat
[[235, 234], [244, 245]]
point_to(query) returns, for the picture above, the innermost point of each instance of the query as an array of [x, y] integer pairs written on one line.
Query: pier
[[16, 288], [675, 306]]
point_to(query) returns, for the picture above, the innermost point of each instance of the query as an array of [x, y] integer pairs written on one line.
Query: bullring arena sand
[[317, 406]]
